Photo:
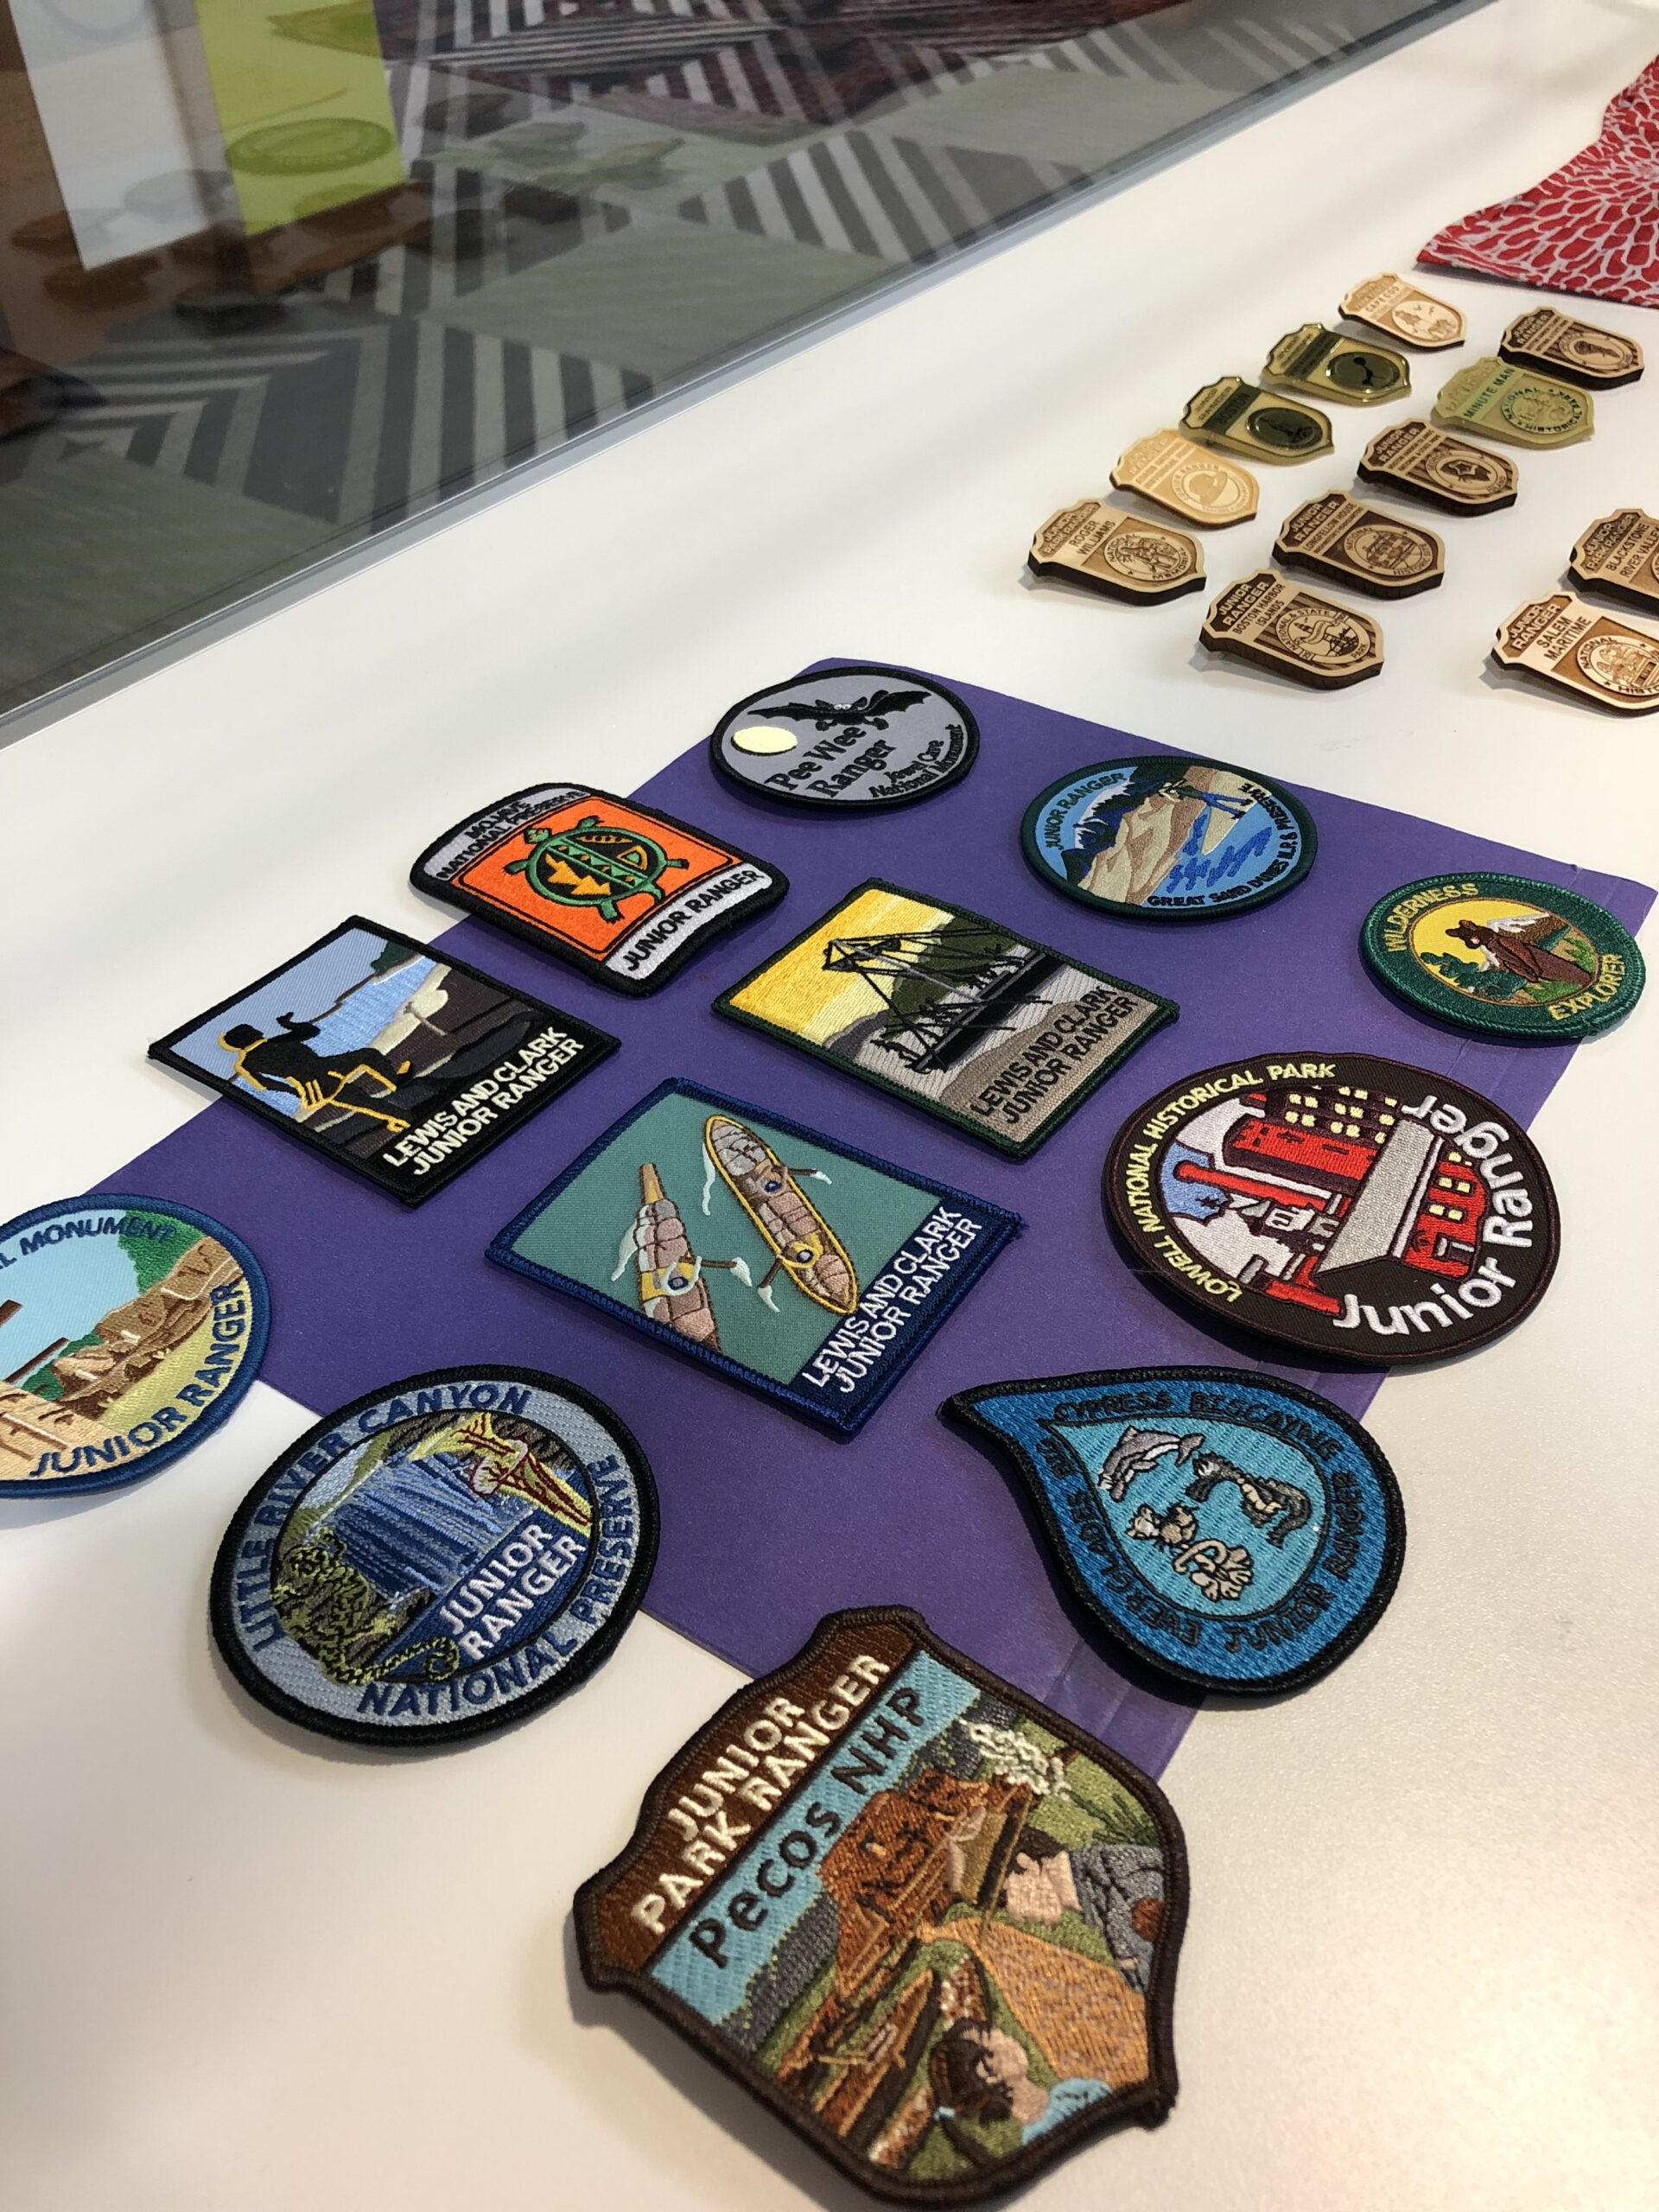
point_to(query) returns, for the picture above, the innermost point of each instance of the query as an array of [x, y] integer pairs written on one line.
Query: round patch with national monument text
[[1504, 954], [437, 1558], [848, 738], [130, 1328], [1168, 836], [1351, 1206], [1234, 1530]]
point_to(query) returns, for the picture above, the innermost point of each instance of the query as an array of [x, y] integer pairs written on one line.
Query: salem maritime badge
[[1347, 1205], [133, 1326], [1504, 954], [1235, 1531], [437, 1558], [849, 738], [1164, 836], [927, 1923]]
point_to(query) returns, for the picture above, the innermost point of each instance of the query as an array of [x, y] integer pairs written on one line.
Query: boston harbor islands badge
[[1235, 1531], [1352, 1207], [929, 1923], [848, 738], [437, 1558], [132, 1328]]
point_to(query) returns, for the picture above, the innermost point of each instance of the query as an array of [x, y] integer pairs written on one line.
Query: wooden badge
[[1445, 471], [1400, 310], [1109, 551], [1514, 405], [1264, 619], [1365, 546], [1331, 366], [1545, 339], [1586, 652], [1198, 485], [1264, 424], [1619, 555]]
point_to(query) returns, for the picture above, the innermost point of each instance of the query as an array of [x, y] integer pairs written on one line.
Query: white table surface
[[244, 1971]]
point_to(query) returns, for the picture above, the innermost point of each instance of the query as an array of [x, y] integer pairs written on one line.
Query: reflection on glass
[[272, 282]]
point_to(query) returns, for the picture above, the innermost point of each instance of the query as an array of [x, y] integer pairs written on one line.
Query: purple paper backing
[[766, 1525]]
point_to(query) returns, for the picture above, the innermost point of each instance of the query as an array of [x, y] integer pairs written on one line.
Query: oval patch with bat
[[848, 738]]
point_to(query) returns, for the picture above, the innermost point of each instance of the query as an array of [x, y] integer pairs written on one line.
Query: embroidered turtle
[[595, 864]]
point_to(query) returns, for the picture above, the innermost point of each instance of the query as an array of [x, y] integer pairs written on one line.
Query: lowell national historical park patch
[[386, 1056], [1235, 1531], [957, 1014], [1348, 1205], [131, 1328], [848, 739], [437, 1558], [790, 1262], [1505, 954], [624, 894], [929, 1923]]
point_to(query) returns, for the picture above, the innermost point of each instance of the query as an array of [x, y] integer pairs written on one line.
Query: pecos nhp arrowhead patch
[[620, 891], [1238, 1533], [437, 1558], [1351, 1206], [929, 1923]]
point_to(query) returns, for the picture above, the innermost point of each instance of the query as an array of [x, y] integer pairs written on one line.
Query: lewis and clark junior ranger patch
[[1234, 1530], [386, 1056], [624, 894], [437, 1558], [1351, 1206], [847, 738], [132, 1328], [951, 1012], [929, 1923], [786, 1261]]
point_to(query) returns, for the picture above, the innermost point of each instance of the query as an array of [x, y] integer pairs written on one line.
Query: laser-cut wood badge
[[1188, 479], [1584, 652], [1265, 618], [1363, 546], [1517, 406], [1546, 339], [1619, 555], [1447, 473], [1399, 310], [1109, 551]]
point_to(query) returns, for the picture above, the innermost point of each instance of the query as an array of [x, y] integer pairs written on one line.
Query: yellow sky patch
[[796, 993], [1432, 933]]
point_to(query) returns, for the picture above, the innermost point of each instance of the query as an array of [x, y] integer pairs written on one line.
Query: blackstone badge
[[848, 738], [1352, 1207]]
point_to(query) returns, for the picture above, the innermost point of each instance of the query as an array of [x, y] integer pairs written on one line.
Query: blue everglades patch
[[791, 1264], [1235, 1531], [437, 1558], [1168, 836], [129, 1327]]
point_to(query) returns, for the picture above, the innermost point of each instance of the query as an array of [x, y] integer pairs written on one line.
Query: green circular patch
[[312, 148], [1504, 954]]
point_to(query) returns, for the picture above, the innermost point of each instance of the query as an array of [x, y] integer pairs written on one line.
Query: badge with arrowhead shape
[[1400, 310], [1515, 406], [1445, 471], [1619, 555], [930, 1924], [1277, 625], [1265, 425], [1331, 366], [1366, 547], [1233, 1530], [1584, 652], [1545, 339], [1112, 551], [1189, 480]]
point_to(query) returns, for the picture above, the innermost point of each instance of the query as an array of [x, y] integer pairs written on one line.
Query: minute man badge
[[623, 892], [388, 1057], [847, 738], [1234, 1530], [929, 1923], [436, 1559], [1518, 406], [1351, 1206], [132, 1327]]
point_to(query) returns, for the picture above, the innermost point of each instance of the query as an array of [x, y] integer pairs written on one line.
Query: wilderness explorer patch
[[786, 1260], [438, 1558], [1349, 1205], [388, 1057], [929, 1923], [959, 1015], [130, 1328], [622, 892], [1234, 1530]]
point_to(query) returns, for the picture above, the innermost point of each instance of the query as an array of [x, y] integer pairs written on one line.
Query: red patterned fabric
[[1592, 227]]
